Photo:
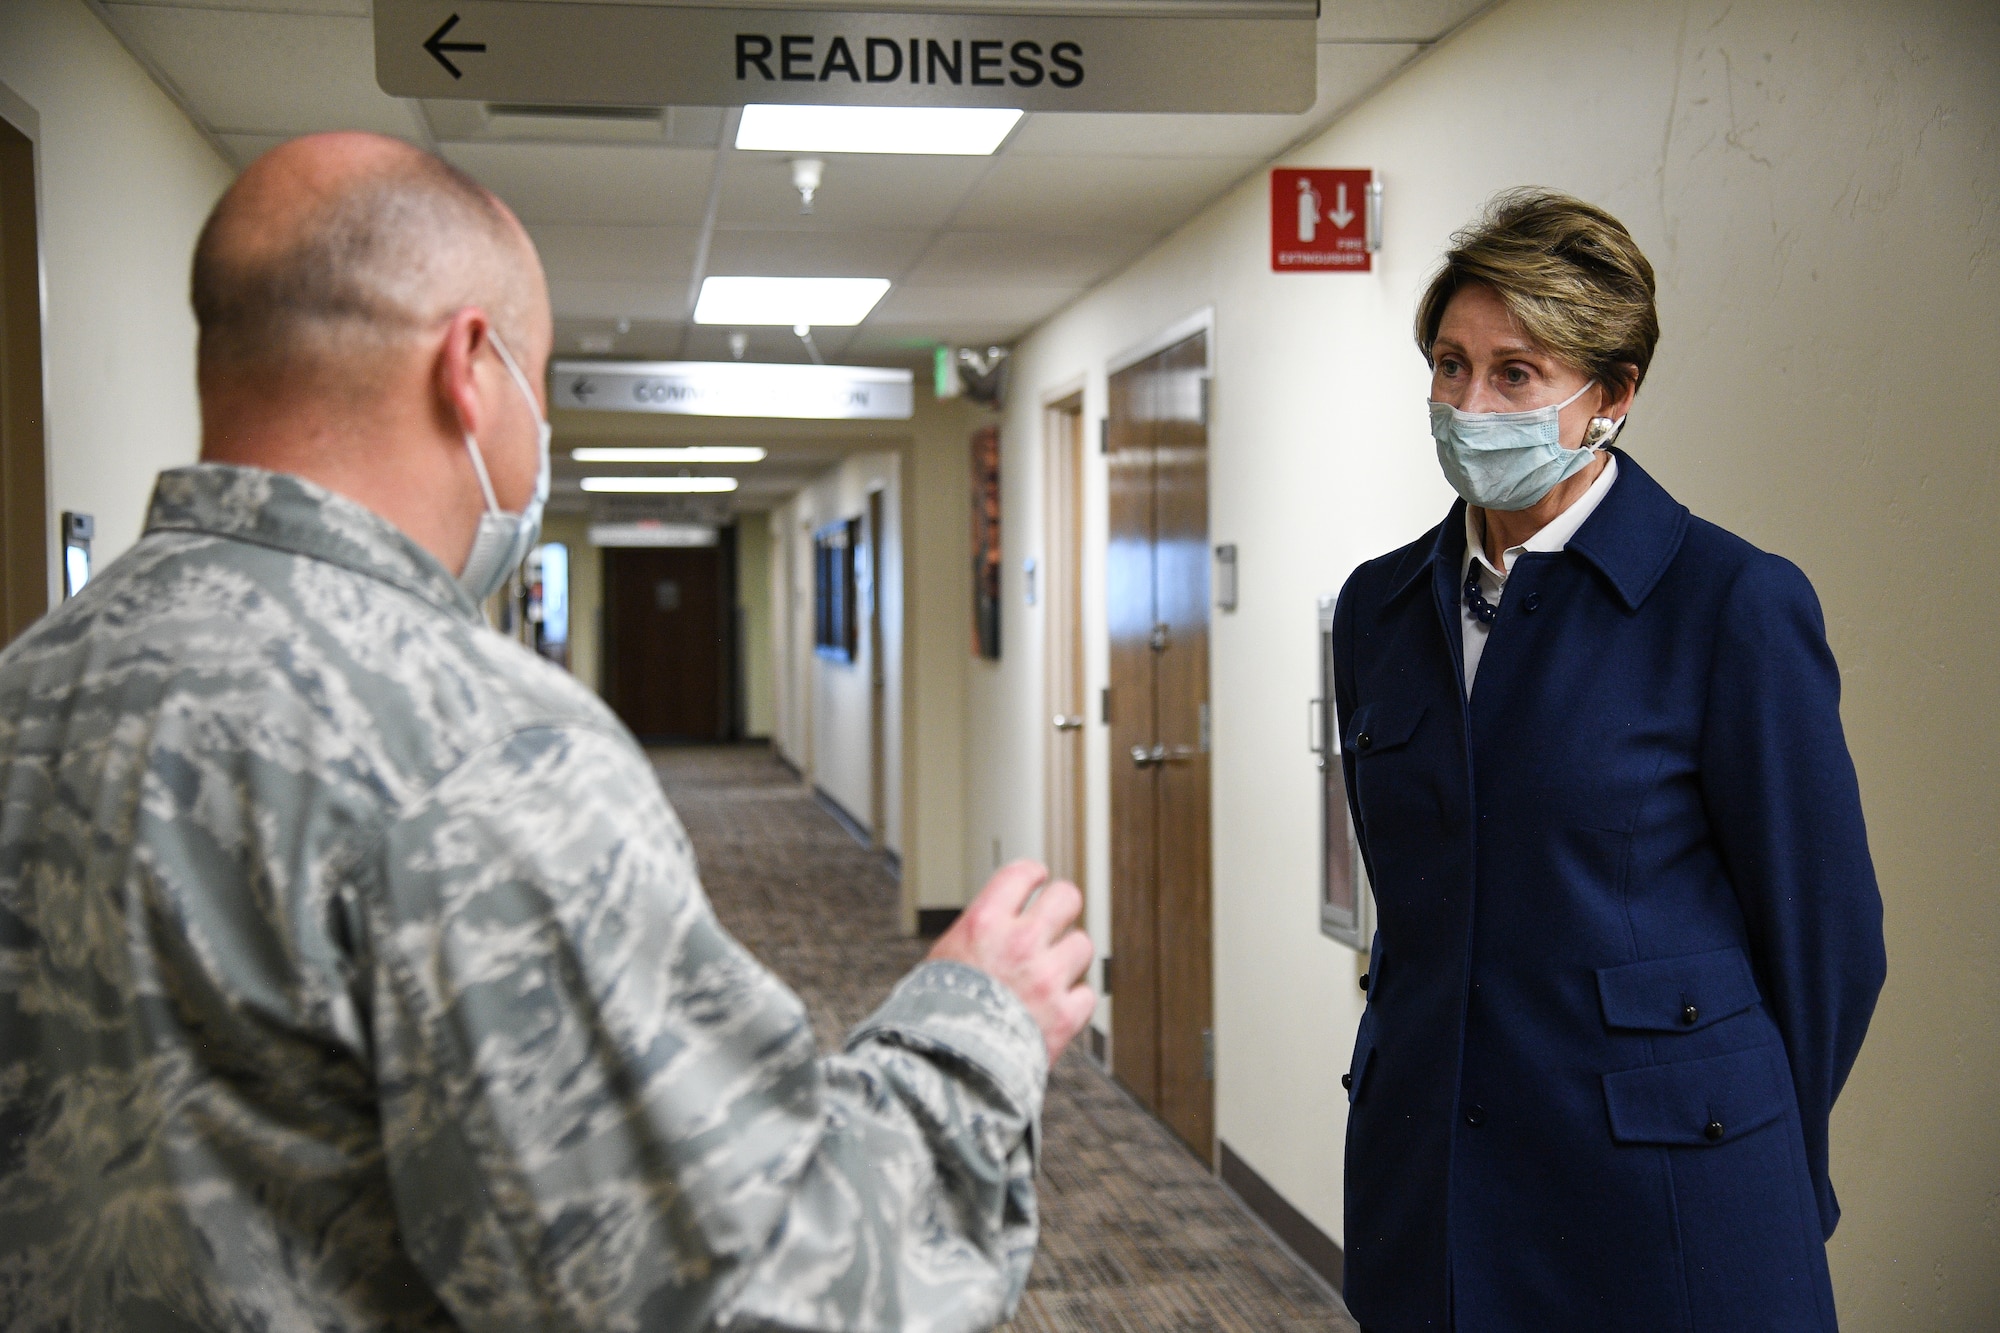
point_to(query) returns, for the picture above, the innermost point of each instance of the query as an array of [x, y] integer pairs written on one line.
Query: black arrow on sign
[[437, 46], [583, 389]]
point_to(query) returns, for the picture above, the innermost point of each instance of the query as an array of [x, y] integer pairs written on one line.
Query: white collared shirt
[[1493, 582]]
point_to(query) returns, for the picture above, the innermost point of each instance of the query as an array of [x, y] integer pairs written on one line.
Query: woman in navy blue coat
[[1629, 934]]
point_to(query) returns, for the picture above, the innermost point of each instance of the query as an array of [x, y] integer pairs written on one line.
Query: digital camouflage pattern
[[355, 974]]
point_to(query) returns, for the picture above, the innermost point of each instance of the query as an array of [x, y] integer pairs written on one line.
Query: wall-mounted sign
[[1320, 220], [733, 389], [1082, 55]]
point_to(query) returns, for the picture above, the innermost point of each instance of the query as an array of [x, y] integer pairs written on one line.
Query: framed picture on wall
[[835, 604], [986, 542]]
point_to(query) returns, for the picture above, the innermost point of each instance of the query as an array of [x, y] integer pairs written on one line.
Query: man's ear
[[457, 372]]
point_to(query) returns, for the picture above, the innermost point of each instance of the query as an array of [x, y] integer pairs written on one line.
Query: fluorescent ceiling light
[[823, 302], [698, 453], [964, 131], [660, 485]]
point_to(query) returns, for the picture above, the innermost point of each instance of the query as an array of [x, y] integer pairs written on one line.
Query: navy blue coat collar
[[1630, 540]]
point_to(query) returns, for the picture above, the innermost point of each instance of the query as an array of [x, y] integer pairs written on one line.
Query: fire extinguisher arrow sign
[[1313, 228]]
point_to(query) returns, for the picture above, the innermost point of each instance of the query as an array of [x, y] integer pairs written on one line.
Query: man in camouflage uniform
[[354, 973]]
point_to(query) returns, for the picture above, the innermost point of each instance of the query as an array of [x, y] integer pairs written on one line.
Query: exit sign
[[1319, 220]]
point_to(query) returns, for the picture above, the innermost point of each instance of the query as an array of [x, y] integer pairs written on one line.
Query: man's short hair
[[398, 249]]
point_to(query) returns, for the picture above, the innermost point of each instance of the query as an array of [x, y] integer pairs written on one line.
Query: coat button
[[1347, 1081], [1690, 1015], [1712, 1131], [1364, 741], [1475, 1116], [1364, 983], [1531, 601]]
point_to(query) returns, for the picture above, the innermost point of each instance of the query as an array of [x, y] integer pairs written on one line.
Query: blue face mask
[[503, 540], [1510, 460]]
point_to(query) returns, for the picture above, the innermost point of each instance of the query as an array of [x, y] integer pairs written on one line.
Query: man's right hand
[[1031, 948]]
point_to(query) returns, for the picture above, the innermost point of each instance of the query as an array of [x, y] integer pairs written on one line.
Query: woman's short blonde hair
[[1568, 271]]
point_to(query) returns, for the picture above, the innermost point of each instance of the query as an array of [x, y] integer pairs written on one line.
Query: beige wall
[[929, 589], [126, 182], [1819, 187], [753, 603]]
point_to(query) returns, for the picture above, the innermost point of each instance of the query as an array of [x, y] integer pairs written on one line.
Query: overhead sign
[[1169, 55], [1319, 220], [733, 389]]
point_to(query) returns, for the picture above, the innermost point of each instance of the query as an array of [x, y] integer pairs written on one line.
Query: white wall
[[1818, 185], [126, 183]]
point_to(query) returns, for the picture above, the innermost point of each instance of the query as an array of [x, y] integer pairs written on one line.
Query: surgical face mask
[[504, 539], [1510, 460]]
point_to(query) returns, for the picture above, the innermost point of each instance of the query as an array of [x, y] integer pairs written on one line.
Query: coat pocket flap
[[1698, 1102], [1364, 1049], [1377, 727], [1677, 994]]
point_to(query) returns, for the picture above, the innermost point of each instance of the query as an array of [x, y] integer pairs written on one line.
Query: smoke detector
[[806, 173]]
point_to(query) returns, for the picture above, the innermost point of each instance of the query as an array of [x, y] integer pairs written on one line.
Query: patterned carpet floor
[[1136, 1234]]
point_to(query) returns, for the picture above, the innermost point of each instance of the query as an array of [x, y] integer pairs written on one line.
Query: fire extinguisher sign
[[1319, 220]]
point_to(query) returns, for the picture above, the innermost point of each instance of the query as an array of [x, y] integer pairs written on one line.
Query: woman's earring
[[1598, 431]]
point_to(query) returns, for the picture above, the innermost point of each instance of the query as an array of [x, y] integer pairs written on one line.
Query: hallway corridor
[[1136, 1237]]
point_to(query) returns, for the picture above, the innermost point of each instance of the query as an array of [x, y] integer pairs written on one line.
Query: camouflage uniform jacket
[[355, 974]]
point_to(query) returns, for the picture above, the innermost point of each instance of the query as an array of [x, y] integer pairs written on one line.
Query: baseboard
[[1312, 1247], [935, 921], [841, 816]]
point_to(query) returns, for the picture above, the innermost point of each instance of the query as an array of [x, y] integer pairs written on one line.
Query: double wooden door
[[1157, 605]]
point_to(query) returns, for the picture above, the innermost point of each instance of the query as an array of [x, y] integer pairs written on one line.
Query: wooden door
[[1063, 582], [1157, 608], [24, 534], [668, 659]]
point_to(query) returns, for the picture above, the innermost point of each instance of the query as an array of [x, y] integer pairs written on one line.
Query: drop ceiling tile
[[247, 148], [1142, 197], [858, 191], [355, 7], [596, 300], [1349, 71], [948, 307], [805, 254], [547, 183], [995, 258], [1070, 134], [582, 252], [649, 340], [267, 73], [1394, 20]]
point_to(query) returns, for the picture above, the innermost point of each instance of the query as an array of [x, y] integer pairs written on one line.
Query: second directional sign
[[1184, 55]]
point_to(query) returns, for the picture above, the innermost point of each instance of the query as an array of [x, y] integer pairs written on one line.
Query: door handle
[[1068, 723], [1154, 756]]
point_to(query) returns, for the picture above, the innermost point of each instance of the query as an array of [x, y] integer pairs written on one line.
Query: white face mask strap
[[479, 470], [1587, 384], [513, 369]]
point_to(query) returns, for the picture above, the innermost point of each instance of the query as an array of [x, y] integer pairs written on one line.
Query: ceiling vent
[[576, 124]]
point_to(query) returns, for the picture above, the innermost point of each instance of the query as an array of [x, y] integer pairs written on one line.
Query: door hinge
[[1208, 1054], [1104, 705], [1105, 974], [1104, 435], [1207, 731], [1162, 637]]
